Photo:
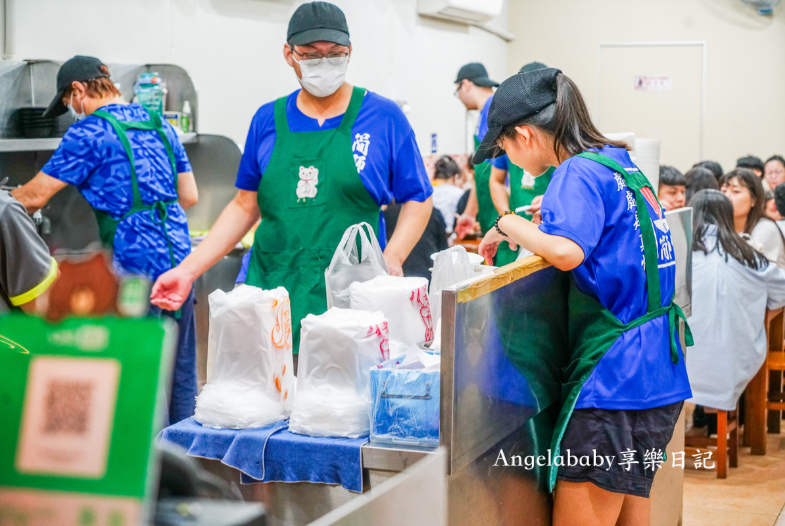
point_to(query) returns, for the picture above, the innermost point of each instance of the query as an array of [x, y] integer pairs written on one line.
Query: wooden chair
[[726, 443], [764, 390]]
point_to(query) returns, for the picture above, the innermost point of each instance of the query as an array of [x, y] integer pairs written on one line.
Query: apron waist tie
[[673, 311]]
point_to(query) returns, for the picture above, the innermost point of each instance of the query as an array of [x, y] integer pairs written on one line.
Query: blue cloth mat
[[273, 454]]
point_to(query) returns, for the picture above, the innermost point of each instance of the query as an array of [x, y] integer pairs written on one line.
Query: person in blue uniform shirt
[[133, 171], [315, 162], [626, 380]]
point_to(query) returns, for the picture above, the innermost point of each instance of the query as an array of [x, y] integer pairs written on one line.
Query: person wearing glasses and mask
[[133, 171], [316, 161]]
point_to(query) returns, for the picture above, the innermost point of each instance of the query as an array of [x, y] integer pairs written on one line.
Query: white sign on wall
[[653, 83]]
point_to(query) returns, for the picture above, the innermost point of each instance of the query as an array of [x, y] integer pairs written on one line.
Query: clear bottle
[[185, 117], [149, 92]]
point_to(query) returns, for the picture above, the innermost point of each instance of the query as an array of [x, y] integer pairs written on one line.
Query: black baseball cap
[[518, 97], [77, 69], [318, 22], [476, 73], [532, 66]]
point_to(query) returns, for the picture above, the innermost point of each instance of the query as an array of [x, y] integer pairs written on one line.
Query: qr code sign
[[67, 407], [67, 416]]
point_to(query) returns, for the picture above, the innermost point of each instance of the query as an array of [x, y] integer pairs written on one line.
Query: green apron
[[107, 225], [593, 329], [486, 212], [521, 196], [308, 196]]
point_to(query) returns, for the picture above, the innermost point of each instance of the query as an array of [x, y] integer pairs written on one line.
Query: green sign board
[[80, 404]]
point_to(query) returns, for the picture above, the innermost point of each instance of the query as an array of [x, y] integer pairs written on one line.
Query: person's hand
[[171, 289], [490, 244], [464, 225], [537, 217], [536, 204], [394, 264]]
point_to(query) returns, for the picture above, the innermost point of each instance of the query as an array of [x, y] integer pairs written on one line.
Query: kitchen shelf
[[51, 144]]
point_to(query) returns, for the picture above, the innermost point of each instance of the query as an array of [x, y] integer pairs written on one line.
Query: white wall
[[233, 51], [745, 106]]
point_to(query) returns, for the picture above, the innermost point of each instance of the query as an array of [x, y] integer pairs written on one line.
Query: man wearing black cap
[[315, 162], [525, 191], [133, 171], [475, 91]]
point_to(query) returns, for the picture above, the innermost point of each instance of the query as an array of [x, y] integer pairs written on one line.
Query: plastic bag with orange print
[[250, 379]]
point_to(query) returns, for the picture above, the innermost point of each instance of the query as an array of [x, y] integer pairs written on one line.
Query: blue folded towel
[[273, 454]]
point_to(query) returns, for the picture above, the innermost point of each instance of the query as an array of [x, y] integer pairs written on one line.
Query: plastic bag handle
[[368, 242]]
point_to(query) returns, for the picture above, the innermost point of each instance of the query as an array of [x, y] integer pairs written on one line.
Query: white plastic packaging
[[346, 266], [450, 266], [250, 378], [337, 351], [404, 302]]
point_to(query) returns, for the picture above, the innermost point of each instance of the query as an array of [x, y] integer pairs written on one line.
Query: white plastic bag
[[404, 302], [346, 266], [337, 351], [450, 266], [250, 378]]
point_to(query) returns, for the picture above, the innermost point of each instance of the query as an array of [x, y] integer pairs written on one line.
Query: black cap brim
[[483, 82], [320, 34], [488, 148], [56, 107]]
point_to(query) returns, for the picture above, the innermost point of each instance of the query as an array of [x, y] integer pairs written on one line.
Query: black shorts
[[596, 433]]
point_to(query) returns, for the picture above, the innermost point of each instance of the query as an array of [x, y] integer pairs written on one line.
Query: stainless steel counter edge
[[393, 458]]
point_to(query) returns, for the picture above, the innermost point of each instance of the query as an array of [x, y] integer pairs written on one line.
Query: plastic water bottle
[[149, 92], [185, 117]]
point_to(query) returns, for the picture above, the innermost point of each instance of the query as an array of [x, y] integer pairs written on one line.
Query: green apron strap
[[353, 110], [635, 182], [120, 131]]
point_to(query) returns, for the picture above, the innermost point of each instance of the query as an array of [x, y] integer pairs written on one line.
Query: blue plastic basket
[[405, 406]]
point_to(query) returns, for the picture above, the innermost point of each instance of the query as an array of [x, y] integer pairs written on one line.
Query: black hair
[[777, 158], [779, 199], [446, 168], [670, 176], [753, 184], [698, 179], [751, 162], [712, 207], [713, 166], [568, 121]]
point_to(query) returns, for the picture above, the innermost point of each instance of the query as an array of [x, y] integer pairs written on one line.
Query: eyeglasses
[[312, 59], [458, 89]]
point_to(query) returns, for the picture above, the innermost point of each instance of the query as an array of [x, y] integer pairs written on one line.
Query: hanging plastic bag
[[346, 266], [404, 302], [337, 351], [250, 378], [450, 266]]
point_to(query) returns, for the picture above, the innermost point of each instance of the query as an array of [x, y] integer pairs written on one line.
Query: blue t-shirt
[[385, 151], [500, 162], [91, 157], [482, 126], [589, 204]]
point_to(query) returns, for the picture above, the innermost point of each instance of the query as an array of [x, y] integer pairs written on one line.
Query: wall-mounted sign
[[434, 144], [653, 83]]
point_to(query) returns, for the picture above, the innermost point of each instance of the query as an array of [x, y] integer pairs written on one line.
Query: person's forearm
[[412, 221], [233, 223], [559, 251], [499, 195]]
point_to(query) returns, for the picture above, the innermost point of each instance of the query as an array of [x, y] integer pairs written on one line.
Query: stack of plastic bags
[[250, 379], [337, 351], [404, 302]]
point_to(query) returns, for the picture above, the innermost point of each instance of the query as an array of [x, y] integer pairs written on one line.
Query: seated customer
[[672, 188], [447, 190], [712, 166], [698, 179], [732, 286], [774, 171], [746, 193], [779, 202], [26, 268], [771, 207]]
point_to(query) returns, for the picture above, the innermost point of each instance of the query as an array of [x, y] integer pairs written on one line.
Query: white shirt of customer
[[767, 239], [729, 302], [445, 200]]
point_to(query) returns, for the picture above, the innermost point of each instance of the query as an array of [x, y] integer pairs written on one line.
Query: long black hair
[[712, 207], [568, 121], [753, 184], [698, 179]]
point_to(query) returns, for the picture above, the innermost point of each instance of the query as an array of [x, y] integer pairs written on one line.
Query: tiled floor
[[752, 495]]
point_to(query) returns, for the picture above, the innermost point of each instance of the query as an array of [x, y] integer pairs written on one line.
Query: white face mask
[[322, 79], [72, 111]]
